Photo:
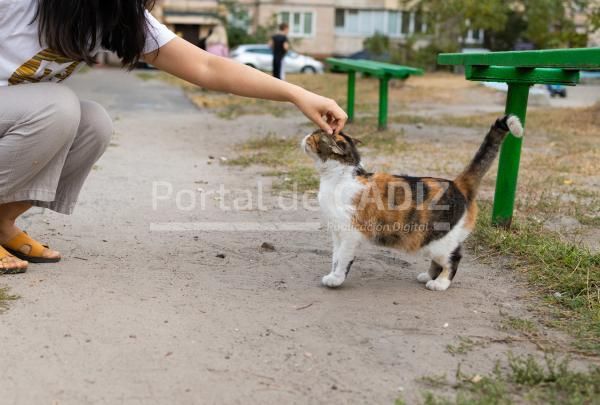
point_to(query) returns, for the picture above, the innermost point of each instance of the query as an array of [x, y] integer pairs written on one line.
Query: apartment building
[[317, 27], [190, 19], [339, 27]]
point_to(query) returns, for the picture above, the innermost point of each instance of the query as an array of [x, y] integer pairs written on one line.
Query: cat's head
[[323, 147]]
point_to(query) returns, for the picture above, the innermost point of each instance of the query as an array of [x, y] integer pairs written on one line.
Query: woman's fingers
[[322, 111], [323, 124], [336, 117]]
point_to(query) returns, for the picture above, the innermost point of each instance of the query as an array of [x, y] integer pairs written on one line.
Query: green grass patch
[[522, 380], [463, 346], [518, 325], [6, 297], [298, 179], [567, 274]]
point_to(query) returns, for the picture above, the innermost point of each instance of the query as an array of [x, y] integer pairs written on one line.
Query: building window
[[393, 23], [340, 20], [419, 25], [474, 37], [351, 21], [301, 23], [388, 22], [379, 21]]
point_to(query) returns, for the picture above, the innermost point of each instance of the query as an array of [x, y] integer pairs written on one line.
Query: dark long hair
[[76, 27]]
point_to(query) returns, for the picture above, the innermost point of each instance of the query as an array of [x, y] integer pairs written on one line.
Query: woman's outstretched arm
[[188, 62]]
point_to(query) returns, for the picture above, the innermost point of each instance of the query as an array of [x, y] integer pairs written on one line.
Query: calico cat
[[426, 214]]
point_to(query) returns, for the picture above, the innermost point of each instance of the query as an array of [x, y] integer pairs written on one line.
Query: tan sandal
[[4, 258], [36, 249]]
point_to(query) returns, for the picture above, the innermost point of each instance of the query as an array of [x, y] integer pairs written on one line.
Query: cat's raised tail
[[468, 181]]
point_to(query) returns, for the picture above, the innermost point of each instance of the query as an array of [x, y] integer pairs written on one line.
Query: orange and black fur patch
[[407, 212]]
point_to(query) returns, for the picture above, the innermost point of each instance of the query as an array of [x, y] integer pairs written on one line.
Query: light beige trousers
[[49, 142]]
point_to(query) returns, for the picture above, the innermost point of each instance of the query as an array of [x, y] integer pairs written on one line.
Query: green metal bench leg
[[510, 156], [351, 93], [383, 102]]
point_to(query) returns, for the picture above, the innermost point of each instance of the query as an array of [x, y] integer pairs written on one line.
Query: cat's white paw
[[423, 278], [438, 284], [332, 280]]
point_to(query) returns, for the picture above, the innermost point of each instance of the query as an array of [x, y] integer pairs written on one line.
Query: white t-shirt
[[24, 60]]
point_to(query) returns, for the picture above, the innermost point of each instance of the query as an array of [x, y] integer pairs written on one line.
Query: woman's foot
[[10, 264], [8, 231]]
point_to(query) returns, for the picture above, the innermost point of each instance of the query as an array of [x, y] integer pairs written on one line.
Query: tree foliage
[[451, 19], [239, 23], [543, 23]]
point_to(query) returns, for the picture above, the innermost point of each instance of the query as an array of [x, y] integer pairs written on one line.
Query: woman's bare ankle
[[8, 215], [8, 230]]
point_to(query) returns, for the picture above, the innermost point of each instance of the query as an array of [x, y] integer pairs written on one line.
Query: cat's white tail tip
[[515, 126]]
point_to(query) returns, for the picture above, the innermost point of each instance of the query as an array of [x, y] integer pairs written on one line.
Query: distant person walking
[[280, 45], [217, 43]]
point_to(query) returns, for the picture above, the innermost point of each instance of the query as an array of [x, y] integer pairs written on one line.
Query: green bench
[[383, 71], [520, 70]]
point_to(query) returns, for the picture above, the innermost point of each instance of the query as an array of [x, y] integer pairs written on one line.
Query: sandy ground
[[136, 314]]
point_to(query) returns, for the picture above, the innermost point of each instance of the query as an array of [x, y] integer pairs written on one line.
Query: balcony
[[189, 6], [189, 12]]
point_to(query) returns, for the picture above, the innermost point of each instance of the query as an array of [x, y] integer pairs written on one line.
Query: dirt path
[[134, 315]]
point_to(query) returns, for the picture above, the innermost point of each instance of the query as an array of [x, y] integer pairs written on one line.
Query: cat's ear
[[356, 141], [336, 149]]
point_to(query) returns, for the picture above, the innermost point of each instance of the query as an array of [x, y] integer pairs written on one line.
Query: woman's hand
[[322, 111]]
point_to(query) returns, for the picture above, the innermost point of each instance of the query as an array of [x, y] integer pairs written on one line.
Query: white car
[[261, 57]]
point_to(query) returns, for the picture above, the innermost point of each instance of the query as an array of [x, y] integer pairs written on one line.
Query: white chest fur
[[337, 192]]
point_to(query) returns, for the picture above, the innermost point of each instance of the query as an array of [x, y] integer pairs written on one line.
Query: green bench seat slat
[[374, 68], [577, 58], [508, 74]]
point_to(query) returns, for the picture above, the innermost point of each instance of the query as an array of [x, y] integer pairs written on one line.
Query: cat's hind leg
[[343, 258], [449, 268], [434, 270]]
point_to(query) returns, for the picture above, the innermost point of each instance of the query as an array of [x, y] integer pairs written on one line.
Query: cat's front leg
[[337, 240], [343, 258]]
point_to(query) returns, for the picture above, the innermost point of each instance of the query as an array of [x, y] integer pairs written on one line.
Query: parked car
[[261, 57]]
